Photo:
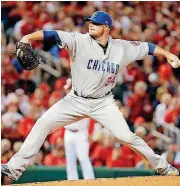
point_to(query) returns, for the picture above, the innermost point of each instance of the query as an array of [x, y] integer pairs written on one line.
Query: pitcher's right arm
[[38, 35], [65, 40]]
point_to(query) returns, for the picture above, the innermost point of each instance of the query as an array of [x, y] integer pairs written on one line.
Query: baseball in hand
[[173, 60], [175, 64]]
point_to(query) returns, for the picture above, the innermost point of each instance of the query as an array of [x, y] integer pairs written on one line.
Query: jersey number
[[110, 80]]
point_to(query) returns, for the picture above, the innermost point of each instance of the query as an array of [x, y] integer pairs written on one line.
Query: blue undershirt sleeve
[[51, 35], [151, 48]]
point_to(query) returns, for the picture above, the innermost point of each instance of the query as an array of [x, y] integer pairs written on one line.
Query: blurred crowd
[[147, 92]]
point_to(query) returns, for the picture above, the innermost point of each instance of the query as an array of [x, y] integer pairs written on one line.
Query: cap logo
[[94, 15]]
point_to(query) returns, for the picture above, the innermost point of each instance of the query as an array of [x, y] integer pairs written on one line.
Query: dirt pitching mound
[[128, 181]]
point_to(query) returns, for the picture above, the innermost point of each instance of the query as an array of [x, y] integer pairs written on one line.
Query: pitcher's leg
[[59, 114], [112, 119], [71, 157]]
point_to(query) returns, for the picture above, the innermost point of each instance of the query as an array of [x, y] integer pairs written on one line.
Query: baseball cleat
[[5, 171], [169, 171]]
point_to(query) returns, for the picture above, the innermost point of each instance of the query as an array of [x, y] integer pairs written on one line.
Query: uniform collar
[[110, 41]]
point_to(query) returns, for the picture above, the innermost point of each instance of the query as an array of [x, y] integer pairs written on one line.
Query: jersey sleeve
[[134, 50], [66, 40]]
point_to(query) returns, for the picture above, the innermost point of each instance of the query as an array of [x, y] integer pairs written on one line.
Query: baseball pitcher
[[96, 59]]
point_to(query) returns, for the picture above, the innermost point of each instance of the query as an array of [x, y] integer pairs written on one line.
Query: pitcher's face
[[96, 30]]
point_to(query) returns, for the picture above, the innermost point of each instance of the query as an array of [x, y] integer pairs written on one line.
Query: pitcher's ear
[[106, 28]]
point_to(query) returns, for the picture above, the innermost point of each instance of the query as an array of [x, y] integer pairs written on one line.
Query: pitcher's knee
[[40, 121], [43, 123], [126, 138], [133, 138]]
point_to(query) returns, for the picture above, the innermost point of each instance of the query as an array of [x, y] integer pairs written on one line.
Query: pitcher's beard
[[95, 37]]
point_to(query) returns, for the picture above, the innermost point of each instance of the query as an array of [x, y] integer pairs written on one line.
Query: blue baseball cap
[[101, 18]]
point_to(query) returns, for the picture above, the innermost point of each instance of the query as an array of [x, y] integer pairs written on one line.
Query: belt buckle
[[79, 95], [73, 130], [91, 97]]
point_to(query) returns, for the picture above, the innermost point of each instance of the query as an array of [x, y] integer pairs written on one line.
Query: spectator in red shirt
[[172, 115], [9, 75], [121, 157], [54, 97], [56, 158], [65, 59], [38, 97], [165, 72], [19, 9], [60, 83], [43, 19], [102, 151], [139, 121], [28, 26], [139, 103], [28, 122], [137, 74], [46, 89], [56, 136]]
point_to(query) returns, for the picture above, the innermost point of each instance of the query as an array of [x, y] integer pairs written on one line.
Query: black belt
[[90, 97], [73, 130]]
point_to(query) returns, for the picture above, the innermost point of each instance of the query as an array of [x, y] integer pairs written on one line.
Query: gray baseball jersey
[[94, 73]]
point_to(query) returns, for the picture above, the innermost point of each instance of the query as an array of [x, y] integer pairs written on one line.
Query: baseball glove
[[26, 57]]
